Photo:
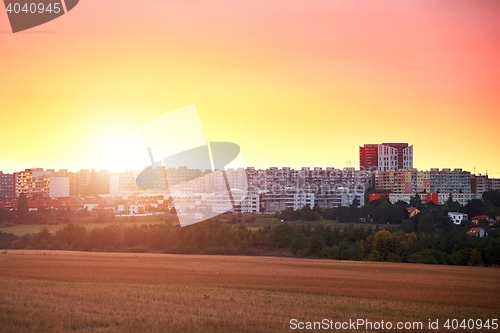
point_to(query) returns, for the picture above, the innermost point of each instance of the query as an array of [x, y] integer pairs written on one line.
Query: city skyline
[[290, 83], [18, 166], [330, 186]]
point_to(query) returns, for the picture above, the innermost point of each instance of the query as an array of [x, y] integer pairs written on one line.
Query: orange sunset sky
[[294, 83]]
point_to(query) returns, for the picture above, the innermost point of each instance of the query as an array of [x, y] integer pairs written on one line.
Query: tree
[[22, 204], [226, 235], [343, 214], [315, 243], [492, 202], [196, 235], [375, 256], [394, 213], [407, 226], [73, 236], [356, 251], [450, 205], [282, 236], [475, 258], [415, 201], [426, 224], [443, 223], [475, 207], [299, 244], [383, 243], [354, 209], [492, 196]]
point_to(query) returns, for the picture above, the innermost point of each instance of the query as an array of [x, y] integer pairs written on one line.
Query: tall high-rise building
[[386, 156], [368, 157], [7, 186]]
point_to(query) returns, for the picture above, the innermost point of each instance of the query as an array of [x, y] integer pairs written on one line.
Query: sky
[[293, 83]]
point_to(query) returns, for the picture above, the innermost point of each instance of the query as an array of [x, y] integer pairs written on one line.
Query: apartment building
[[403, 181], [7, 185], [395, 181], [33, 183], [386, 156], [450, 181], [291, 198], [316, 180], [82, 180], [482, 183], [238, 202], [494, 184], [341, 197]]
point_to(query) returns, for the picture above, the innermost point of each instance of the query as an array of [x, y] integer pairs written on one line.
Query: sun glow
[[110, 150]]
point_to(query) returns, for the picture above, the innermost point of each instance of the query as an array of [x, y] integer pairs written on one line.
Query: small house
[[477, 232], [476, 218]]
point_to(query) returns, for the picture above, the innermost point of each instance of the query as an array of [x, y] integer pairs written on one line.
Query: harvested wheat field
[[57, 291]]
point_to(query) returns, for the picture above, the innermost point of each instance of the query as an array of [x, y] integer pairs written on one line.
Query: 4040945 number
[[33, 8], [471, 324]]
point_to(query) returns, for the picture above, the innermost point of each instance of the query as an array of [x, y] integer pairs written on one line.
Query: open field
[[23, 229], [57, 291], [260, 222]]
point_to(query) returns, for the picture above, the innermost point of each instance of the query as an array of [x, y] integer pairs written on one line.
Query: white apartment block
[[336, 199], [291, 198], [394, 156], [59, 187]]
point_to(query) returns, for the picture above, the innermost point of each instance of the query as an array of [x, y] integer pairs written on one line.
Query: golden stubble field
[[58, 291]]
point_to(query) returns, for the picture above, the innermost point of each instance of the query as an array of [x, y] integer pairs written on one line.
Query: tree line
[[427, 237], [453, 247]]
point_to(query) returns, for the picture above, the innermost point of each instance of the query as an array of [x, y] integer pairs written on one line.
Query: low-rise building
[[477, 218], [413, 211], [457, 218], [477, 232]]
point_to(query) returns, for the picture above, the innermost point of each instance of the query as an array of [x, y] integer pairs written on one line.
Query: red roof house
[[477, 232]]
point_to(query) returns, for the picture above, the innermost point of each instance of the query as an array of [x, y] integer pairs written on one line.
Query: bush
[[394, 258], [375, 256], [475, 258], [56, 245], [356, 251], [461, 257], [415, 258], [344, 251], [430, 260], [329, 252], [315, 245]]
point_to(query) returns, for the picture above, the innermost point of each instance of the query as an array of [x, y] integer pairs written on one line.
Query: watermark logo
[[25, 15], [204, 179]]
